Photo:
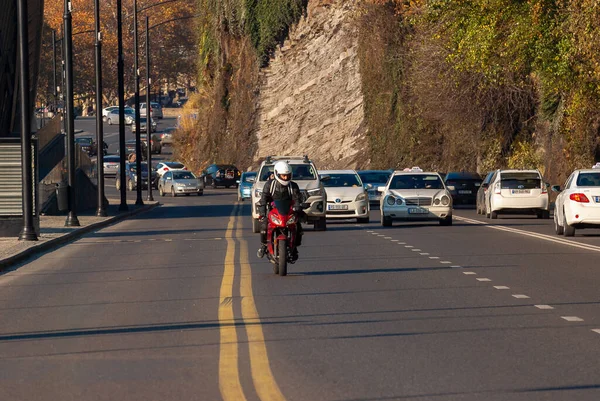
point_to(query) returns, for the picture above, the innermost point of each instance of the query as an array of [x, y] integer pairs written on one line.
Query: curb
[[56, 242]]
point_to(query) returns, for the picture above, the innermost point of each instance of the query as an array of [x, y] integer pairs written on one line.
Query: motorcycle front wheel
[[282, 257]]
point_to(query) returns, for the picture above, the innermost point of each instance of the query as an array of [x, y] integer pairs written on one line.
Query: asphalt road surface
[[175, 305]]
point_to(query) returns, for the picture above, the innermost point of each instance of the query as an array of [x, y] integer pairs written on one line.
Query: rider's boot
[[262, 250]]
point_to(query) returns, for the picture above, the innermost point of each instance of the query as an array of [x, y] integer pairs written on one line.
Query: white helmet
[[283, 173]]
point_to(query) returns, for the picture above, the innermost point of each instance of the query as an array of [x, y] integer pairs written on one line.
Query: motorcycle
[[281, 235]]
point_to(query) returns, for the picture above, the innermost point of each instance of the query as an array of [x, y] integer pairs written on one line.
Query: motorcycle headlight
[[292, 219], [275, 220], [315, 192], [445, 200], [362, 196], [391, 200]]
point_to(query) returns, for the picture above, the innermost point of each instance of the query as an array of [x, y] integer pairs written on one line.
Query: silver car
[[180, 182]]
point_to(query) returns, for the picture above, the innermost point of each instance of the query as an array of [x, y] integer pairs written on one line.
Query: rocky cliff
[[310, 94]]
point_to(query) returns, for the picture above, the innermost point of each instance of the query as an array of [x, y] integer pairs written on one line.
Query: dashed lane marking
[[401, 243], [544, 307], [416, 250], [470, 273], [520, 296], [597, 331], [445, 262], [424, 254], [387, 237], [408, 246], [456, 266], [483, 279], [434, 257], [395, 240], [572, 318], [501, 287]]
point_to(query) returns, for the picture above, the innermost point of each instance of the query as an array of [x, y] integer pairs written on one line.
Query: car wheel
[[386, 221], [130, 185], [321, 224], [255, 226], [109, 121], [363, 220], [545, 214], [446, 222], [160, 191], [173, 192], [200, 193], [214, 185], [227, 186], [557, 227], [160, 150], [568, 230], [494, 214]]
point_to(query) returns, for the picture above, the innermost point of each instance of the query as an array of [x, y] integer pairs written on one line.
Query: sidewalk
[[54, 233]]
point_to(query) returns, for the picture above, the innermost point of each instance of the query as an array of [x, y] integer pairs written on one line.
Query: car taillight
[[166, 169], [578, 197], [544, 189], [497, 189]]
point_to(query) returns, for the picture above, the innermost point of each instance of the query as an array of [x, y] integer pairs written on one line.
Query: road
[[174, 305]]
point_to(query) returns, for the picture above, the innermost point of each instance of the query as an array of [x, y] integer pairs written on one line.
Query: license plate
[[417, 210], [465, 192], [520, 191], [337, 207], [597, 199]]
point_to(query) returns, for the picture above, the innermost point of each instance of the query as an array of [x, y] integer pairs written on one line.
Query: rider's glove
[[261, 218]]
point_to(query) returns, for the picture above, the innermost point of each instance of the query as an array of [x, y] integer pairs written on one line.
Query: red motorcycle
[[281, 235]]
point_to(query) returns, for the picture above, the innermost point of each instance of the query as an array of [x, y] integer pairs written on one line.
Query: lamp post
[[148, 86], [27, 231], [101, 211], [55, 90], [121, 94], [138, 144], [72, 220]]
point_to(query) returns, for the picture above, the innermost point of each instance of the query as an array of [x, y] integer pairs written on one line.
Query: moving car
[[346, 196], [155, 145], [304, 173], [245, 185], [463, 187], [112, 117], [89, 145], [221, 175], [108, 109], [179, 182], [517, 191], [130, 148], [375, 178], [155, 110], [163, 167], [131, 177], [111, 165], [481, 193], [415, 195], [143, 122], [166, 137], [578, 203]]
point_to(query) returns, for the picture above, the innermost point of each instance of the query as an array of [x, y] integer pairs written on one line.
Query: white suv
[[305, 174], [517, 191]]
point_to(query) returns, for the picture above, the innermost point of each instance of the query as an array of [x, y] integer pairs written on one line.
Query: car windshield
[[183, 175], [143, 120], [520, 181], [111, 159], [132, 167], [300, 172], [464, 183], [130, 111], [249, 177], [416, 181], [342, 180], [84, 141], [174, 165], [374, 177], [588, 180]]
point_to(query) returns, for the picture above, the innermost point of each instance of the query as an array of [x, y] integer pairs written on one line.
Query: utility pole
[[101, 210], [148, 86], [138, 144], [121, 92]]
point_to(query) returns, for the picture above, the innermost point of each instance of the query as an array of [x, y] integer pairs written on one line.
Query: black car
[[463, 187], [89, 146], [130, 148], [131, 177], [221, 175]]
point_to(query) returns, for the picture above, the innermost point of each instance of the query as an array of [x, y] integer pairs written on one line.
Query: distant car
[[180, 182], [130, 148], [578, 203], [112, 117], [155, 145], [346, 196], [245, 185], [481, 193], [415, 195], [221, 175], [375, 178], [163, 167], [131, 177], [111, 165], [108, 109], [463, 187], [517, 191], [166, 137], [85, 143], [143, 122], [155, 110]]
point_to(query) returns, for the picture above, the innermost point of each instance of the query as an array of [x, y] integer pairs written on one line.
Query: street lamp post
[[101, 211], [55, 90], [148, 86], [27, 231], [121, 93], [138, 144], [72, 220]]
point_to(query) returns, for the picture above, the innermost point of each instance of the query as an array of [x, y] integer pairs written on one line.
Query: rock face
[[310, 99]]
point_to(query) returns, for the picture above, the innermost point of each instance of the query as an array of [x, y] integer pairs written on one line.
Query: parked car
[[376, 179], [108, 109], [155, 110], [111, 165], [163, 167], [155, 145], [578, 203], [166, 137], [112, 117], [517, 191], [245, 185], [463, 187], [221, 175], [481, 193], [415, 195], [179, 182], [130, 148], [131, 177], [143, 122], [347, 198]]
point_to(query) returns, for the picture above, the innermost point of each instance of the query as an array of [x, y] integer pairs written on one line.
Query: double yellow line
[[229, 373]]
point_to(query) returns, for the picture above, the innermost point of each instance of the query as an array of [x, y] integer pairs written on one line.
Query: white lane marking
[[424, 254], [381, 235], [408, 246], [434, 257], [596, 331], [520, 296], [369, 231], [401, 243], [167, 239], [387, 237], [455, 266], [483, 279], [395, 240], [445, 262], [416, 250], [544, 307], [572, 318], [470, 273], [544, 237], [501, 287]]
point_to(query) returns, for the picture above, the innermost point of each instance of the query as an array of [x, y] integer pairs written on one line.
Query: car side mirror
[[485, 185], [381, 189], [369, 186], [325, 177], [451, 187], [237, 182], [556, 188]]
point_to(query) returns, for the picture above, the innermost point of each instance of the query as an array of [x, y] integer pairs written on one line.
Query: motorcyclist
[[281, 187]]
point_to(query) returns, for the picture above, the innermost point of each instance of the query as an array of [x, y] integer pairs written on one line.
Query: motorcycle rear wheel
[[282, 258]]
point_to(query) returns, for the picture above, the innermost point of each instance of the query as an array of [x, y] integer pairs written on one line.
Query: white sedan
[[415, 195], [578, 204], [346, 196], [163, 167]]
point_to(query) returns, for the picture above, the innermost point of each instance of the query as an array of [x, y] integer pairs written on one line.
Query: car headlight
[[436, 201], [275, 220], [399, 202], [291, 220], [315, 192], [391, 200], [445, 200], [362, 196]]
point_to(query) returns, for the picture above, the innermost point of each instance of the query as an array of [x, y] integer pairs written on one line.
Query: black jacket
[[280, 192]]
